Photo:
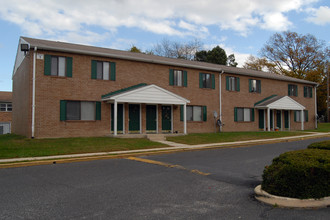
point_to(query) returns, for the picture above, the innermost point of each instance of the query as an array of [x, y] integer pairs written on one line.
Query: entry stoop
[[156, 137]]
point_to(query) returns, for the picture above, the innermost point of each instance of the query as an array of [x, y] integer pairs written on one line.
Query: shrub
[[320, 145], [299, 174]]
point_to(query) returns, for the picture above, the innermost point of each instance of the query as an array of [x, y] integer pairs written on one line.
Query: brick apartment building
[[5, 112], [63, 90]]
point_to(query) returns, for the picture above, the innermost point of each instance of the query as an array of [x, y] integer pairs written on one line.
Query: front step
[[156, 137]]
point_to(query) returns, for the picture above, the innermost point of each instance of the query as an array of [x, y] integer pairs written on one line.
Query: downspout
[[34, 91], [316, 107], [220, 109]]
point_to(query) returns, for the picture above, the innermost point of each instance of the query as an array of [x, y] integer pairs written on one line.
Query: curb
[[287, 202]]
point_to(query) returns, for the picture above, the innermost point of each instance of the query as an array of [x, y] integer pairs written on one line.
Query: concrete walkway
[[173, 147]]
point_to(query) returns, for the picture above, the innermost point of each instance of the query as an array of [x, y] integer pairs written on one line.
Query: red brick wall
[[50, 90], [22, 98], [244, 98], [5, 116]]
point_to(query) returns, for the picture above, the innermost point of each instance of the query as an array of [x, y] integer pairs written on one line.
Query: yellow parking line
[[166, 165]]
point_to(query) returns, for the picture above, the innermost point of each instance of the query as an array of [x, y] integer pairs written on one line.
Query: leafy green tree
[[135, 49], [217, 55]]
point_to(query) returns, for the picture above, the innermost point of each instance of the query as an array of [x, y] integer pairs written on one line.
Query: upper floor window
[[232, 83], [308, 91], [243, 114], [292, 90], [178, 78], [103, 70], [6, 107], [206, 80], [254, 85], [58, 66]]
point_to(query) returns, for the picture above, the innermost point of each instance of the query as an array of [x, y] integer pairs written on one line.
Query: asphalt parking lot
[[208, 184]]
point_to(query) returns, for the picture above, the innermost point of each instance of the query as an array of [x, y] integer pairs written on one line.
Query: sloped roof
[[6, 96], [279, 102], [105, 52], [148, 94]]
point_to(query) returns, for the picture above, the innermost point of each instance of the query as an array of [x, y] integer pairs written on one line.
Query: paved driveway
[[168, 186]]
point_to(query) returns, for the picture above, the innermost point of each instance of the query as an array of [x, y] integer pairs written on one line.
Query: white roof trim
[[150, 94], [284, 103]]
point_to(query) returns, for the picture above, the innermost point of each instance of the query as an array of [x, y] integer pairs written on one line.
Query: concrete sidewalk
[[173, 147]]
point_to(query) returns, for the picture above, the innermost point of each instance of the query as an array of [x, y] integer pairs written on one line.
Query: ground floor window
[[195, 113], [243, 114], [297, 116], [80, 110]]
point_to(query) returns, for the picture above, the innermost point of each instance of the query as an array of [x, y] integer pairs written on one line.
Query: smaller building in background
[[5, 112]]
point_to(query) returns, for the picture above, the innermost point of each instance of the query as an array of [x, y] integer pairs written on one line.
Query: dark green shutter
[[252, 111], [204, 113], [305, 91], [295, 116], [185, 79], [201, 80], [94, 69], [112, 71], [235, 114], [227, 82], [98, 111], [47, 65], [306, 115], [237, 84], [250, 85], [213, 81], [289, 89], [69, 67], [296, 93], [171, 77], [258, 86], [311, 94], [181, 112], [63, 110]]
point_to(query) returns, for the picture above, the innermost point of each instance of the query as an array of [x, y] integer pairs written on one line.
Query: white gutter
[[33, 91], [316, 107], [220, 104]]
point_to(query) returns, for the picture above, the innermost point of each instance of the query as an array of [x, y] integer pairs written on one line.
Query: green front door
[[151, 117], [271, 118], [134, 118], [286, 119], [166, 119], [261, 119], [120, 117], [278, 119]]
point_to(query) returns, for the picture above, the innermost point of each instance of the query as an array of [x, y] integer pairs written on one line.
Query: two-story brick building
[[63, 90], [5, 112]]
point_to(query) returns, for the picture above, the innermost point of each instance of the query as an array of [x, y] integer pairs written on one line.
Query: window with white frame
[[58, 66], [292, 90], [244, 114], [6, 107], [297, 116], [102, 70], [178, 78], [206, 80], [80, 110], [308, 91], [254, 85]]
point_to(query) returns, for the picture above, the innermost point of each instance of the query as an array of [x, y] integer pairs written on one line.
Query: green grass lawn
[[323, 127], [15, 146], [207, 138]]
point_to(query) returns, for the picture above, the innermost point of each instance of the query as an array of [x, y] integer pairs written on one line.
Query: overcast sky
[[241, 27]]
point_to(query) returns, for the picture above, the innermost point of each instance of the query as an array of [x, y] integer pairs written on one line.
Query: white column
[[115, 118], [302, 119], [268, 119], [185, 118]]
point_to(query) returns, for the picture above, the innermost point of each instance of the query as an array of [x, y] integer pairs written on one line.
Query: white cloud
[[172, 17], [320, 16]]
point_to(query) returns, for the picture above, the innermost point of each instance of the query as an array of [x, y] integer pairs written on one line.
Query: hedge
[[320, 145], [299, 174]]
